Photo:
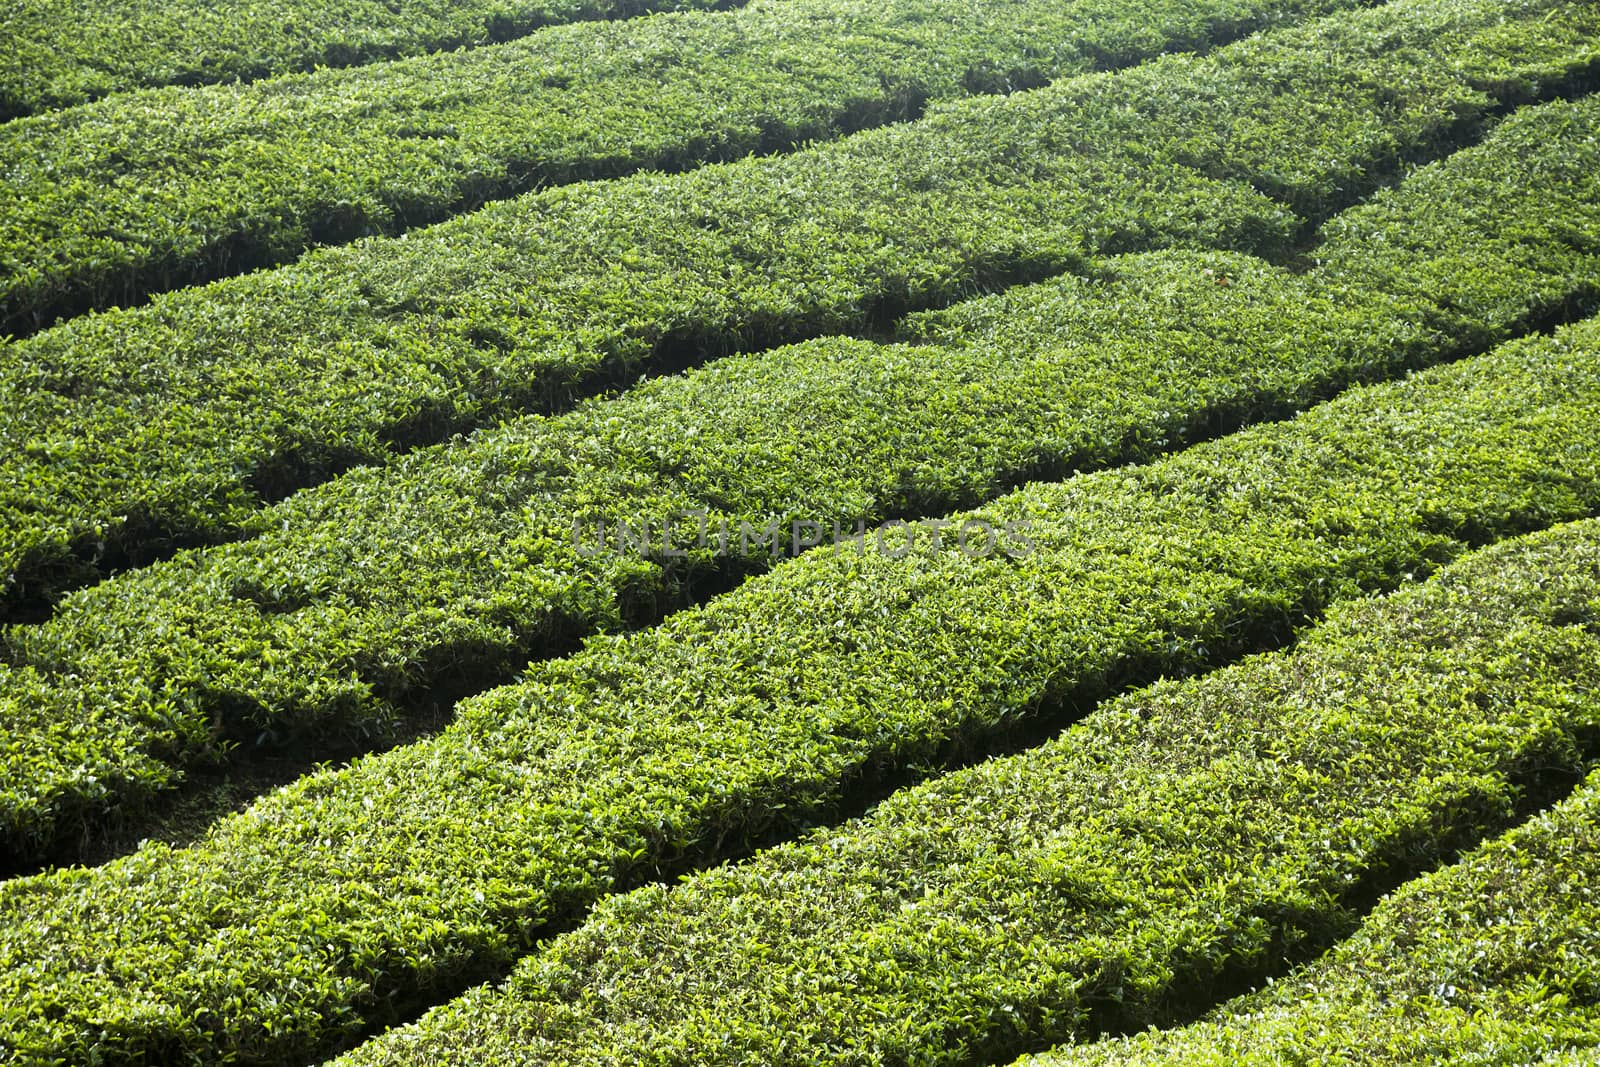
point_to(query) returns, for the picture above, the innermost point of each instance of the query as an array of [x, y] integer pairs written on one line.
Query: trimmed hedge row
[[106, 203], [363, 598], [366, 597], [1492, 960], [353, 896], [174, 420], [1177, 839], [59, 52]]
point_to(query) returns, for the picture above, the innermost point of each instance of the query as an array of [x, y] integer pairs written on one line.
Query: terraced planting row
[[1222, 247], [1492, 960], [58, 52], [1182, 837], [104, 204], [378, 590], [355, 896], [370, 597], [126, 430]]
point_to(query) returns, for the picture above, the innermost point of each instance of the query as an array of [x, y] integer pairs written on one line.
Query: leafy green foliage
[[1493, 960], [358, 600], [358, 893], [64, 53], [177, 419], [106, 203], [1173, 839], [363, 596], [1177, 834]]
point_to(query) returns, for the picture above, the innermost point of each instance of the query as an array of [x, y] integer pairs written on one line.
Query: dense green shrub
[[105, 203], [1491, 961], [122, 430], [355, 895], [60, 52], [362, 599], [1178, 838]]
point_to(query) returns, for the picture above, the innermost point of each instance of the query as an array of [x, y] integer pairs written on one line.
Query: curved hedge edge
[[370, 605], [1491, 960], [1176, 842], [377, 601], [78, 58], [358, 350], [207, 185], [353, 897]]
